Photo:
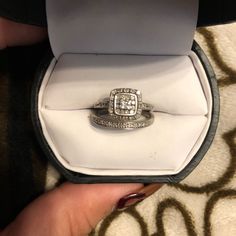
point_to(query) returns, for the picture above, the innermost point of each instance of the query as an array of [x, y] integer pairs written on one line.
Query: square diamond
[[125, 104]]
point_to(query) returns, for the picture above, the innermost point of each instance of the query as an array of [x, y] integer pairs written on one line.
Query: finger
[[14, 34], [70, 209]]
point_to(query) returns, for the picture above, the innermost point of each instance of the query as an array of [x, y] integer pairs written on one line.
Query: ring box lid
[[150, 27]]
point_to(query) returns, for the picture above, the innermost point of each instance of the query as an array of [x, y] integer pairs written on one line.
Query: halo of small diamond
[[125, 103]]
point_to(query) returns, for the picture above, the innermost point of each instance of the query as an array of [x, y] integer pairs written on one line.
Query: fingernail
[[134, 198], [129, 200]]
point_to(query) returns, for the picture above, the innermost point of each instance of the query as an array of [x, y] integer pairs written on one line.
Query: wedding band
[[124, 109], [103, 119]]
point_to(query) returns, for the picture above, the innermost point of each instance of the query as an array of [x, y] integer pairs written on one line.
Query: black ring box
[[78, 177], [82, 178]]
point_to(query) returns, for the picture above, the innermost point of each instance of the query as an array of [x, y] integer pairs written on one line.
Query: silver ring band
[[103, 119], [106, 101]]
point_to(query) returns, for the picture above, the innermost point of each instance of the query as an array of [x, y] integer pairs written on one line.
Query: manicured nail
[[130, 200], [134, 198]]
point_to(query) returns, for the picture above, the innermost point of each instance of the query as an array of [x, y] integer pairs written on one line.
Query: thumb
[[69, 209], [14, 33]]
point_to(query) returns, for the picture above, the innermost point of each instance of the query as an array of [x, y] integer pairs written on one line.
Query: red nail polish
[[133, 198], [129, 200]]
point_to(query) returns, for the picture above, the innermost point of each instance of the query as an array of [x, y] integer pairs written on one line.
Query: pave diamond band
[[124, 109], [104, 120]]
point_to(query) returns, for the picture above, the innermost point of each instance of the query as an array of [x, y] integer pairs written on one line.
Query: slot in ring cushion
[[72, 85]]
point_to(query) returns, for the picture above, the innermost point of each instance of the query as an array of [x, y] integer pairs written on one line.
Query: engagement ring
[[124, 109]]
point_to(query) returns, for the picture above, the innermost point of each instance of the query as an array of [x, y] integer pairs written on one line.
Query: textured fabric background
[[203, 204]]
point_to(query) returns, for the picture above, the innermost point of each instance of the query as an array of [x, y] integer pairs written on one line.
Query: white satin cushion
[[176, 85]]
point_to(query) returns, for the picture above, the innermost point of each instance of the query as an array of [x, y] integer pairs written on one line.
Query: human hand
[[75, 209], [15, 34]]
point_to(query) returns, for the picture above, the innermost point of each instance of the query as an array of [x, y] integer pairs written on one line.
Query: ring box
[[106, 44]]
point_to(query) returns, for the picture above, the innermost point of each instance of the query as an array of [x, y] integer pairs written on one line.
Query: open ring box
[[100, 45]]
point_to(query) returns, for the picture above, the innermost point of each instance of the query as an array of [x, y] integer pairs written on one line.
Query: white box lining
[[139, 171]]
